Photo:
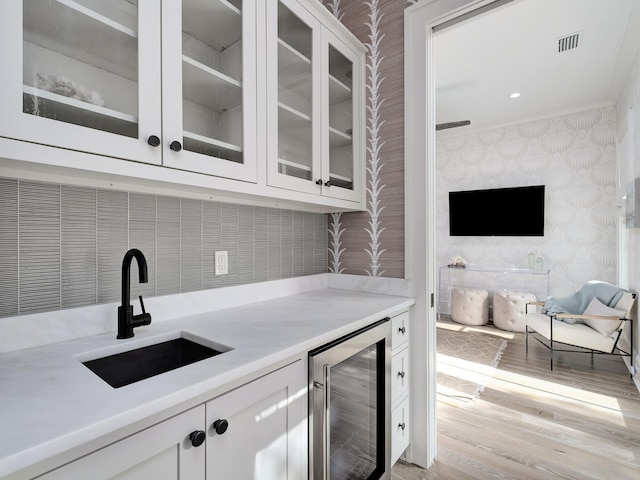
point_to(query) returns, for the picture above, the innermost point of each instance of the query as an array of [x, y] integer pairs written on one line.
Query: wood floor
[[577, 422]]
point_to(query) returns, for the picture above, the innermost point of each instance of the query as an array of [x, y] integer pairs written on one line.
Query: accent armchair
[[592, 321]]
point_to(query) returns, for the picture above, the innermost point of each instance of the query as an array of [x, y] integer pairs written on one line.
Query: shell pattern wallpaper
[[574, 156]]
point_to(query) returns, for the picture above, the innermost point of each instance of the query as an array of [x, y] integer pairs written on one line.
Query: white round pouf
[[509, 309], [469, 306]]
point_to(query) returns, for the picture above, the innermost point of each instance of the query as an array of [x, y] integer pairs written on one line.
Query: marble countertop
[[50, 403]]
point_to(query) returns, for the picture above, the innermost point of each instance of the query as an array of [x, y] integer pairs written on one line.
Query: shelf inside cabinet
[[51, 105], [293, 31], [218, 23], [294, 169], [87, 36], [341, 181], [208, 87], [338, 139], [338, 91], [294, 72], [212, 147], [289, 163], [292, 117]]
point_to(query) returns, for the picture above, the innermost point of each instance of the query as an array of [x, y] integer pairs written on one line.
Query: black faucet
[[127, 321]]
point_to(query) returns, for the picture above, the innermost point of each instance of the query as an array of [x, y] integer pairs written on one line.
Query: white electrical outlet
[[221, 263]]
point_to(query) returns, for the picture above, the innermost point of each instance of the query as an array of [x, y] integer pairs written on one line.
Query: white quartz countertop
[[51, 403]]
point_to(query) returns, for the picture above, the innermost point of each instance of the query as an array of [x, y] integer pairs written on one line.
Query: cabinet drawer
[[399, 375], [399, 429], [399, 329]]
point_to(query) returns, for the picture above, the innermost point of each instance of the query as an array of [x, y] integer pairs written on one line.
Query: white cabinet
[[315, 106], [264, 438], [400, 425], [263, 429], [164, 451], [171, 83], [269, 92], [209, 56], [82, 75]]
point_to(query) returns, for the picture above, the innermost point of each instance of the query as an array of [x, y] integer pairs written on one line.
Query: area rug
[[465, 362]]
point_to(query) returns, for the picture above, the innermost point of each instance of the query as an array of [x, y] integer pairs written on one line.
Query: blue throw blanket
[[578, 302]]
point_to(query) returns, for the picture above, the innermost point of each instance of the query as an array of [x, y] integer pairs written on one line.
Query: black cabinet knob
[[327, 183], [176, 146], [153, 140], [401, 374], [402, 330], [319, 181], [220, 426], [197, 438], [401, 426]]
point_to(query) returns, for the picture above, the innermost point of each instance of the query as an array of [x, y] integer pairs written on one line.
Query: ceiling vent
[[569, 42]]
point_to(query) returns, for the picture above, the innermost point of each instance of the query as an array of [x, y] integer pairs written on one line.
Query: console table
[[492, 279]]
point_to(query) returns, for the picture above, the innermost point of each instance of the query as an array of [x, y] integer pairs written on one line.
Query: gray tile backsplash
[[62, 246]]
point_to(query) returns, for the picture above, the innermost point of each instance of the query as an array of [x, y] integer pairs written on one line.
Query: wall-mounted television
[[504, 212]]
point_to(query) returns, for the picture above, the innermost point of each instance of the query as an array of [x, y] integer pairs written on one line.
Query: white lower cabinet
[[400, 429], [262, 429], [399, 385], [161, 452], [264, 438]]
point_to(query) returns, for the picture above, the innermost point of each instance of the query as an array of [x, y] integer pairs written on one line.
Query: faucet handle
[[142, 304]]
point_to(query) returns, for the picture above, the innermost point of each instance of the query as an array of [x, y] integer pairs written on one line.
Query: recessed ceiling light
[[514, 95]]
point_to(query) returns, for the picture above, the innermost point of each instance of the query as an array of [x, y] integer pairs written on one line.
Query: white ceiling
[[513, 48]]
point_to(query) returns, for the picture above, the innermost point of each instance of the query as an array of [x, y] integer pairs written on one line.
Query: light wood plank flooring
[[577, 422]]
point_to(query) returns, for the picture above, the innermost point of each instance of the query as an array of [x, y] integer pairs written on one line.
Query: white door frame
[[420, 163]]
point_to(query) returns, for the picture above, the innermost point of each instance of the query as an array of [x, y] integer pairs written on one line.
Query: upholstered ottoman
[[469, 306], [509, 310]]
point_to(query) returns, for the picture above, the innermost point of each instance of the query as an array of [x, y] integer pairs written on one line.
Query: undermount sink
[[132, 366]]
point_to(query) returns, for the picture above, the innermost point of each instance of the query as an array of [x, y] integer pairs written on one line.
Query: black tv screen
[[505, 212]]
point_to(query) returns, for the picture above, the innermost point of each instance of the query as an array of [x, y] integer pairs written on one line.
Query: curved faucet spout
[[126, 319]]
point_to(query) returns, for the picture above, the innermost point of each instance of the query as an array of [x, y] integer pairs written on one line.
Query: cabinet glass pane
[[212, 78], [294, 95], [81, 63], [340, 120]]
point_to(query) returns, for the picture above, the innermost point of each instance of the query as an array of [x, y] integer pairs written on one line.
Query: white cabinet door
[[343, 135], [399, 374], [209, 87], [315, 109], [265, 422], [162, 452], [82, 75], [293, 101], [400, 431]]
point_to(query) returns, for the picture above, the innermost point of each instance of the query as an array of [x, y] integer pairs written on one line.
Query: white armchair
[[596, 330]]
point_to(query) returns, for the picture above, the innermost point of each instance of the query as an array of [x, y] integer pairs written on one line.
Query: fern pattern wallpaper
[[574, 156], [372, 242]]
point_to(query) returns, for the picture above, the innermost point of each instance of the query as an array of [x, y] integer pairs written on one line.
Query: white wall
[[574, 156], [629, 168]]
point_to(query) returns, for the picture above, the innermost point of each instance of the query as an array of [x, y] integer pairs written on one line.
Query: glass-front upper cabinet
[[297, 109], [83, 75], [209, 59], [341, 119], [315, 102]]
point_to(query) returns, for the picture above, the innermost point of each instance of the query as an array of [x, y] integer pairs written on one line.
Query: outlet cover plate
[[221, 262]]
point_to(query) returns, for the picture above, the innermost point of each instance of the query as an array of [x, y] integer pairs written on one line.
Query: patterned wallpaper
[[372, 242], [62, 246], [574, 156], [628, 110]]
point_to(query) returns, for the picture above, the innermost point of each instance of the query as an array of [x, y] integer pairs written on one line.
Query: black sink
[[134, 365]]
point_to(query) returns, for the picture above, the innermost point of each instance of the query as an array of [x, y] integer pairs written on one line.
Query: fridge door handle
[[326, 412]]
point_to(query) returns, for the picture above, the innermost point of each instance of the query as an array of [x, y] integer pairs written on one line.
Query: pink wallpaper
[[372, 242]]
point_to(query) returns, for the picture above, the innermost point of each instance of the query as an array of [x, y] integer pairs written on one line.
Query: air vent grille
[[569, 42]]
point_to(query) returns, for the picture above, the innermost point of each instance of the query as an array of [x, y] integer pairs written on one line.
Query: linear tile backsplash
[[62, 246]]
